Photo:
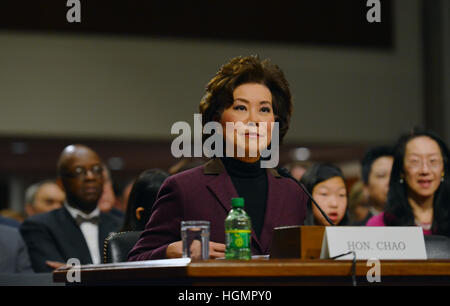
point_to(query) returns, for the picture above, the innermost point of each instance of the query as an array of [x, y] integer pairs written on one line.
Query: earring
[[442, 177], [401, 181]]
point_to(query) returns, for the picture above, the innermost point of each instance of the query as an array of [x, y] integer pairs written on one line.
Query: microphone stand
[[284, 172]]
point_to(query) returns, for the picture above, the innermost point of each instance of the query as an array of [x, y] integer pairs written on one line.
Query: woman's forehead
[[250, 92], [422, 145]]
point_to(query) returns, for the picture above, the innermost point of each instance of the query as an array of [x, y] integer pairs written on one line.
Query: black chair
[[438, 247], [118, 245]]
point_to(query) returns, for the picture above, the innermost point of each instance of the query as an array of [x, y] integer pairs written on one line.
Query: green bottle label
[[238, 239]]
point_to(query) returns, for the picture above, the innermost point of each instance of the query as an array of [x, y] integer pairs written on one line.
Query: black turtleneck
[[250, 182]]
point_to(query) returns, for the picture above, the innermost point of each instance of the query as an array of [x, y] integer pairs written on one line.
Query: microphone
[[284, 172]]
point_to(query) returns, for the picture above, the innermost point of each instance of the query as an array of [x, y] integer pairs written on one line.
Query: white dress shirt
[[89, 230]]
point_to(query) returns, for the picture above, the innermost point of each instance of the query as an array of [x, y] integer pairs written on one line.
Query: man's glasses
[[81, 172]]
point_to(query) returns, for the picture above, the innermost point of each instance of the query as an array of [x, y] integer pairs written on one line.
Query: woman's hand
[[54, 264], [216, 250], [175, 250]]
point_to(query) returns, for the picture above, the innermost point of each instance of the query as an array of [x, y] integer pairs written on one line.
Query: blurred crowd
[[401, 185]]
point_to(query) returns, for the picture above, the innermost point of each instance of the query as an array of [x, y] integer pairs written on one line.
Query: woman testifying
[[252, 94]]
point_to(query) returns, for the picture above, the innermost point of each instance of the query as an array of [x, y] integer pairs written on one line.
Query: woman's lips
[[424, 183], [252, 135]]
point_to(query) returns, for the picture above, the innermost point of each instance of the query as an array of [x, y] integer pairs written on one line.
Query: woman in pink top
[[419, 191]]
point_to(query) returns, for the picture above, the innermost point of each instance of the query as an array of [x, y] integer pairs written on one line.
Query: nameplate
[[381, 242]]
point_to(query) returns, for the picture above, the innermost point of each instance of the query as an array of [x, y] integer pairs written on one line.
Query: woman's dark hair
[[143, 194], [315, 175], [398, 211], [242, 70]]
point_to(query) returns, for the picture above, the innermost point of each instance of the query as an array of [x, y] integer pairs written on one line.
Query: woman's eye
[[266, 110], [240, 107]]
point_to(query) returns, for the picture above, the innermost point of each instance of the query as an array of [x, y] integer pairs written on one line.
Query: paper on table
[[175, 262]]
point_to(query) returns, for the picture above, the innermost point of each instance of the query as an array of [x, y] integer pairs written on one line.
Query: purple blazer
[[204, 193]]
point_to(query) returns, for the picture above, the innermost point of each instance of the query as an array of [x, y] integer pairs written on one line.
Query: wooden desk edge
[[259, 268]]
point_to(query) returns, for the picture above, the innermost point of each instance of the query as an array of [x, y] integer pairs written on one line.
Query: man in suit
[[78, 229], [14, 256]]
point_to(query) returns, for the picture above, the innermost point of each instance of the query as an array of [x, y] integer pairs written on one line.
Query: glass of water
[[195, 237]]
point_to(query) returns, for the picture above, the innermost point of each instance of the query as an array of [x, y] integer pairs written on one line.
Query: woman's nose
[[253, 117], [424, 167]]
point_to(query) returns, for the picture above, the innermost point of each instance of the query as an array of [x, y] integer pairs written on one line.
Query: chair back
[[438, 247], [118, 245]]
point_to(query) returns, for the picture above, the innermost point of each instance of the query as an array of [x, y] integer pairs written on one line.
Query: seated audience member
[[326, 184], [256, 94], [376, 167], [9, 222], [358, 206], [78, 229], [43, 197], [419, 187], [142, 196], [13, 255], [108, 200]]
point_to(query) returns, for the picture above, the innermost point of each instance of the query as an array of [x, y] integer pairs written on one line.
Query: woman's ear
[[139, 212]]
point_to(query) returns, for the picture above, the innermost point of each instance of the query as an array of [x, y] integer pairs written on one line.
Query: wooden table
[[271, 272]]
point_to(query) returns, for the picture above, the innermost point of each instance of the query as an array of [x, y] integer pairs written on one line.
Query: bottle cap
[[237, 202]]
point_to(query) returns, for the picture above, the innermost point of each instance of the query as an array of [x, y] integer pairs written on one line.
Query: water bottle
[[238, 232]]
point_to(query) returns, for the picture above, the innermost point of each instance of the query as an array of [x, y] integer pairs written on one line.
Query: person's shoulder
[[291, 186], [10, 236], [6, 230], [190, 175], [377, 220], [9, 222], [45, 218]]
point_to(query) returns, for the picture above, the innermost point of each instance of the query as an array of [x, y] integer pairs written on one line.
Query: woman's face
[[331, 195], [423, 166], [252, 110]]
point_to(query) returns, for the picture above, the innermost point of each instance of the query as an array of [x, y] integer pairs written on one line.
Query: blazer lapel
[[74, 237], [220, 184], [275, 205]]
